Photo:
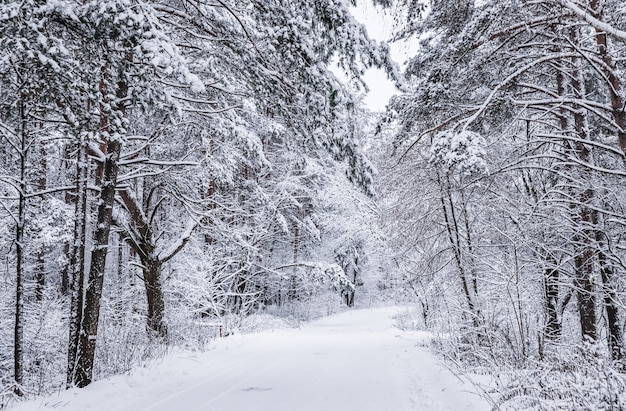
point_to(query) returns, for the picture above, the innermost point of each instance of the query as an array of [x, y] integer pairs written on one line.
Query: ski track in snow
[[354, 360]]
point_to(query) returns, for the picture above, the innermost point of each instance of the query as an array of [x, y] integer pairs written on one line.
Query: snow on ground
[[355, 360]]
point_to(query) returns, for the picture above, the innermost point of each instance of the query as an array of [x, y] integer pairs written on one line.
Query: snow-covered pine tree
[[539, 83]]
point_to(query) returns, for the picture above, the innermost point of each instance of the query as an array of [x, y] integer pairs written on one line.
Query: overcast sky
[[380, 27]]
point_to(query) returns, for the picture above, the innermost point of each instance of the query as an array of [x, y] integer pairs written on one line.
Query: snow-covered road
[[355, 360]]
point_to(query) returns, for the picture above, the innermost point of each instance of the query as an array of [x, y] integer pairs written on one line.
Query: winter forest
[[171, 169]]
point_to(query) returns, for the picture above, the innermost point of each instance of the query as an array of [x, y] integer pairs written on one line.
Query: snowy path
[[350, 361]]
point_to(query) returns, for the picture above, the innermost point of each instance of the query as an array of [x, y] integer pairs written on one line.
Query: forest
[[171, 168]]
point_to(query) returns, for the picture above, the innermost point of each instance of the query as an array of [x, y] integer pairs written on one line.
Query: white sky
[[379, 26]]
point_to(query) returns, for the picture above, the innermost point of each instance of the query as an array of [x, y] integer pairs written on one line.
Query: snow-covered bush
[[409, 319], [570, 378], [463, 150]]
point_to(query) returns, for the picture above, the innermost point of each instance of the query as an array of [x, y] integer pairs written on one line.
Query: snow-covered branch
[[481, 109], [593, 21], [168, 254]]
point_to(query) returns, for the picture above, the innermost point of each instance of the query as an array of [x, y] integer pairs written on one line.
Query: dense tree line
[[163, 162], [165, 165], [509, 150]]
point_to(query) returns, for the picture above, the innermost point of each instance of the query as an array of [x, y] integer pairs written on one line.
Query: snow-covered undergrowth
[[356, 359], [567, 378], [561, 377]]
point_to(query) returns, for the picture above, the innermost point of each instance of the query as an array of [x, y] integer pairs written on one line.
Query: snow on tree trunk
[[584, 234], [18, 341], [552, 329], [77, 260], [93, 294], [154, 293]]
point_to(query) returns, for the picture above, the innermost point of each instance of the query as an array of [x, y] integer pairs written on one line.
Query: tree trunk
[[121, 283], [618, 112], [584, 235], [618, 105], [143, 244], [77, 260], [452, 230], [18, 341], [552, 329], [68, 251], [154, 293], [65, 270], [585, 292], [40, 266], [91, 312], [350, 298], [611, 303], [293, 287], [615, 336]]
